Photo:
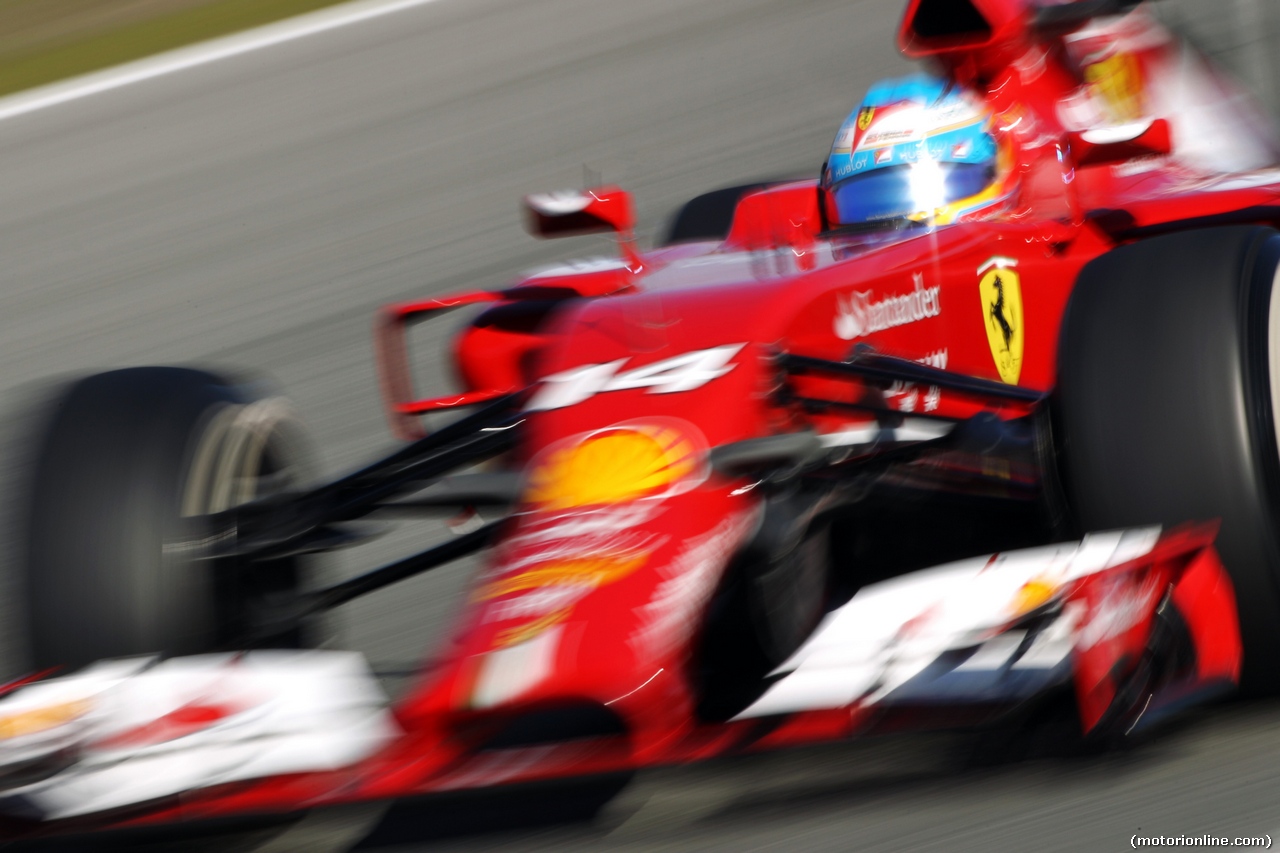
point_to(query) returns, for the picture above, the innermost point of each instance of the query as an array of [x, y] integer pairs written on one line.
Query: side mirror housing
[[569, 212], [1106, 146]]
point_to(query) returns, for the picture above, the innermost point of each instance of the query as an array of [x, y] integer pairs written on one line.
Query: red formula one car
[[734, 485]]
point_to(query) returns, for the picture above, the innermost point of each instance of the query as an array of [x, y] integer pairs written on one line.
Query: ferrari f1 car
[[731, 488]]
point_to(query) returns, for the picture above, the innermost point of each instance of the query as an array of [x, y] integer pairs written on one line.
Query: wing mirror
[[569, 212], [590, 211], [1108, 145]]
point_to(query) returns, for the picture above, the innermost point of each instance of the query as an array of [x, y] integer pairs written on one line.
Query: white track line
[[202, 53]]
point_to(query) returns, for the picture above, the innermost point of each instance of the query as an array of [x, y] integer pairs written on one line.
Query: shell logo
[[1033, 594], [561, 563], [586, 572], [43, 719], [613, 466]]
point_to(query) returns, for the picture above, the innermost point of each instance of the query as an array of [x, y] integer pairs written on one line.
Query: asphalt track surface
[[251, 214]]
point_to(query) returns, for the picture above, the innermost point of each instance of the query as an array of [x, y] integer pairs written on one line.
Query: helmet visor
[[899, 192]]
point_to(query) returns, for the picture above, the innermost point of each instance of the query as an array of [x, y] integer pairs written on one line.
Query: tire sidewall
[[1163, 410], [109, 570]]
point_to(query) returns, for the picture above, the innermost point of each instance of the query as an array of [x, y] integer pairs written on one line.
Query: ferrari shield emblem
[[865, 116], [1001, 292], [1118, 85]]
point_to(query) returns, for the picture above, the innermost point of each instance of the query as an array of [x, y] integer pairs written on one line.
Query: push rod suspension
[[890, 369]]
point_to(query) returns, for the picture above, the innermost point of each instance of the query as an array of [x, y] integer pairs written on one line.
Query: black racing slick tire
[[708, 216], [1165, 408], [124, 462]]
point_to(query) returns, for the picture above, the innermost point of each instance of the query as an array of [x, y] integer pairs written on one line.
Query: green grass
[[42, 41]]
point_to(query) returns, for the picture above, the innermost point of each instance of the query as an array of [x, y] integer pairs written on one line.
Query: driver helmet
[[919, 149]]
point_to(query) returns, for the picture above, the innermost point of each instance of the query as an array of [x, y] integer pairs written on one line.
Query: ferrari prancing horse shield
[[1002, 313]]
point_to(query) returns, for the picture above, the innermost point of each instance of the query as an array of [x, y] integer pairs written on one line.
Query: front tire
[[124, 461], [1169, 365]]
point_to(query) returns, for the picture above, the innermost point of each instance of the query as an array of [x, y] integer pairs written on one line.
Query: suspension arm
[[300, 522], [884, 368]]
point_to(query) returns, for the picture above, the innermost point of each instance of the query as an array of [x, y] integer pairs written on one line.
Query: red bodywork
[[619, 566]]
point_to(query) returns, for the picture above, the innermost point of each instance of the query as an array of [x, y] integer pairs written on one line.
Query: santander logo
[[858, 315]]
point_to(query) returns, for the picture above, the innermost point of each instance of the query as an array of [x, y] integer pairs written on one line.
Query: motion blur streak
[[140, 729], [201, 54], [253, 213]]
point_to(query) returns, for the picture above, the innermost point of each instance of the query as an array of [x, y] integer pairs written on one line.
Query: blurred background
[[251, 214], [1243, 35]]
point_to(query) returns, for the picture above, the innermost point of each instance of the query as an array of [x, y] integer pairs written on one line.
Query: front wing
[[1133, 624]]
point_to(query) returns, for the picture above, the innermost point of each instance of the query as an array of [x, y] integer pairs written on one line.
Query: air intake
[[943, 26], [952, 20]]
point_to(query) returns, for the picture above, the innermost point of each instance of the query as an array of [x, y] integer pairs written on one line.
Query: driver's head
[[918, 149]]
